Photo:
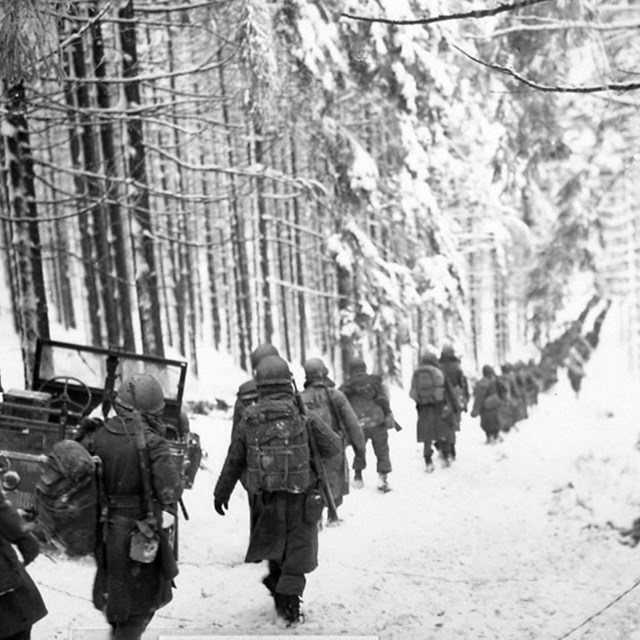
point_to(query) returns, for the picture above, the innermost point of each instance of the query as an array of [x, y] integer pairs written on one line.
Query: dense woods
[[186, 173]]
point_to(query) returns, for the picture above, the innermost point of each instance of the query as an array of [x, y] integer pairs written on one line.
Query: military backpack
[[278, 454], [428, 385]]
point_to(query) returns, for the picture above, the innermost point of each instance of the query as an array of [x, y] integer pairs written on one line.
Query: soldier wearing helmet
[[321, 397], [437, 406], [272, 451], [129, 591], [248, 391], [21, 604], [370, 401], [452, 367]]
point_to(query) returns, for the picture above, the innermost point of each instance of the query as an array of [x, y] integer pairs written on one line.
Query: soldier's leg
[[380, 442], [360, 463], [271, 579]]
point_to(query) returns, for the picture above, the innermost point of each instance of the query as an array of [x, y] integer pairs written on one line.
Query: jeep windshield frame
[[102, 370]]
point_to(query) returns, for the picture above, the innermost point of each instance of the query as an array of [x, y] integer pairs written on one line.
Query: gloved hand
[[29, 547], [220, 506]]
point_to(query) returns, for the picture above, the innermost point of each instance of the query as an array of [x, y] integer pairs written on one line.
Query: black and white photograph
[[319, 318]]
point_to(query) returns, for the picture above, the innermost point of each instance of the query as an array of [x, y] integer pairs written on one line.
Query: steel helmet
[[272, 370], [315, 369], [448, 351], [141, 391], [262, 351], [428, 357], [357, 365]]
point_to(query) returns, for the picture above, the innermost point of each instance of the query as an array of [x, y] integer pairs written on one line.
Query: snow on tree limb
[[476, 14], [613, 86]]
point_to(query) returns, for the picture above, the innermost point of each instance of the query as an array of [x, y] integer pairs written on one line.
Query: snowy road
[[513, 541]]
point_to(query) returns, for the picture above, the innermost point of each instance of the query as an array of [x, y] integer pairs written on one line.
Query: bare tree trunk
[[144, 245], [187, 266], [300, 279], [9, 256], [240, 268], [263, 230], [284, 307], [121, 294], [80, 186], [214, 301], [61, 270], [24, 232], [103, 262]]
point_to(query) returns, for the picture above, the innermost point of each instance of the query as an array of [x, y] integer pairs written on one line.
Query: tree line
[[177, 173]]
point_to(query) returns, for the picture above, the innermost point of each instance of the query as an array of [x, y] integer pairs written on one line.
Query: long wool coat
[[124, 587], [279, 531], [490, 421], [334, 409], [437, 422], [20, 602]]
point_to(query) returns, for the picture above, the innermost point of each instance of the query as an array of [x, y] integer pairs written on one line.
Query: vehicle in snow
[[71, 382]]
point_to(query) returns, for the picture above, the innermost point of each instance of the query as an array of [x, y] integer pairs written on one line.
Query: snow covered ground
[[513, 541]]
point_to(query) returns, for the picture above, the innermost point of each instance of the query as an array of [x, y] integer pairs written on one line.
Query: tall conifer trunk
[[24, 232], [142, 237]]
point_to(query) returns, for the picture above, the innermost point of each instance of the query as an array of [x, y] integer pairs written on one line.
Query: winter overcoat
[[450, 364], [369, 399], [487, 410], [124, 587], [279, 530], [21, 604], [333, 408], [437, 422]]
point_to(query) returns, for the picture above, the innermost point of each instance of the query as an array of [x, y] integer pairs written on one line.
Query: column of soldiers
[[288, 449], [440, 391], [502, 400]]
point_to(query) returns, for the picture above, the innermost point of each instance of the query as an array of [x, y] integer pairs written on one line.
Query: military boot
[[383, 483], [288, 607]]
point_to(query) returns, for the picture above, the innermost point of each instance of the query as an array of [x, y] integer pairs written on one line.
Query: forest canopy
[[337, 178]]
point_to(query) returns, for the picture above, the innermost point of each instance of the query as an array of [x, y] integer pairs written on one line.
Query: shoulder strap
[[143, 459], [335, 416]]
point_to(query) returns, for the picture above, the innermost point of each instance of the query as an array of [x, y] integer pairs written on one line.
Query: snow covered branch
[[475, 14]]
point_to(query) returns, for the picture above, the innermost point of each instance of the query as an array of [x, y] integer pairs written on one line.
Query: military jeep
[[72, 382]]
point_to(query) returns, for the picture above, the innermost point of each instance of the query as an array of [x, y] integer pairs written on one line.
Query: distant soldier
[[452, 368], [438, 406], [370, 401], [273, 446], [21, 604], [142, 486], [530, 375], [332, 406], [487, 397], [508, 413]]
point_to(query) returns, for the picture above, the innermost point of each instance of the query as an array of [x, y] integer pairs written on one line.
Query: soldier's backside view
[[321, 396], [370, 401], [134, 580], [273, 449]]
